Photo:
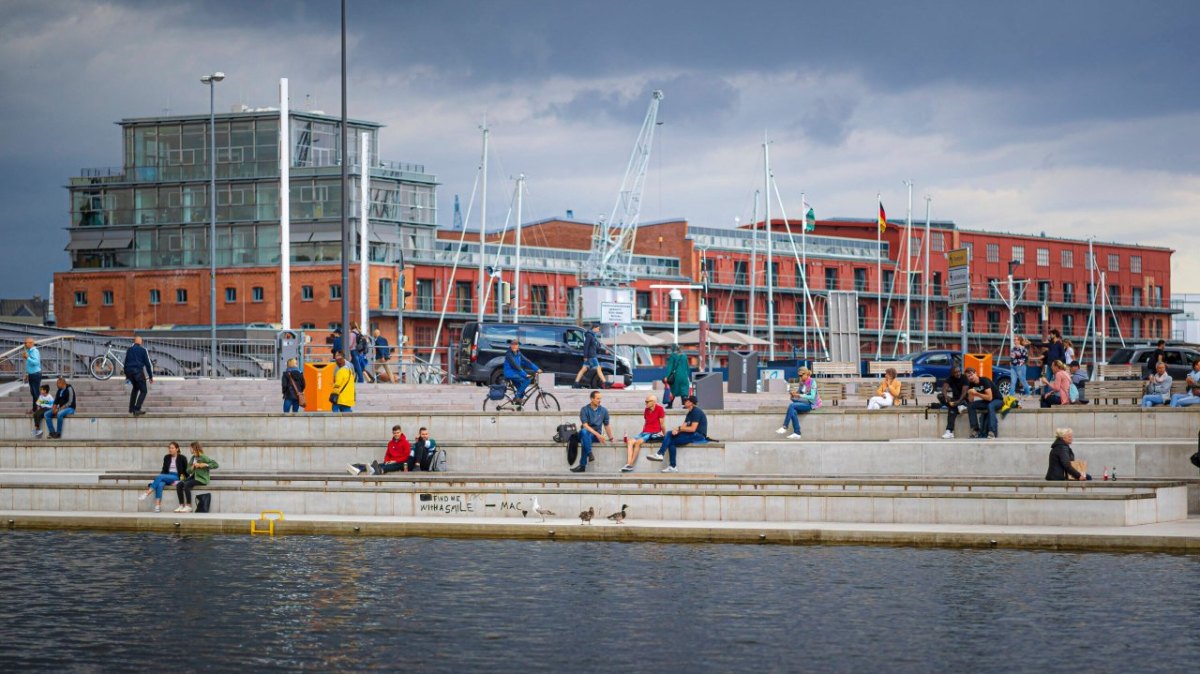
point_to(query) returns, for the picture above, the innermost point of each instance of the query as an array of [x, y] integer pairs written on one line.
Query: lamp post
[[211, 81]]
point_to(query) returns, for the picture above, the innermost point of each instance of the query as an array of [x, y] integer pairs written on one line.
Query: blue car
[[937, 364]]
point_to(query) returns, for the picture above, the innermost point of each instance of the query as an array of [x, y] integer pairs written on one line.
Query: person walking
[[383, 351], [138, 371], [342, 398], [678, 377], [293, 387], [591, 356], [1018, 357], [593, 418], [197, 476], [33, 371], [804, 400]]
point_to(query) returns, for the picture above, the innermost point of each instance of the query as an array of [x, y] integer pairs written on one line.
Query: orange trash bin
[[982, 362], [318, 384]]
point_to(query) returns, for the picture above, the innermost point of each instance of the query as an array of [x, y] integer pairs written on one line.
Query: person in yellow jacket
[[343, 386], [888, 393]]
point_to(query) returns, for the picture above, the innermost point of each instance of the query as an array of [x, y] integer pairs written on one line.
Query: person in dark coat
[[292, 387], [139, 372], [1061, 456]]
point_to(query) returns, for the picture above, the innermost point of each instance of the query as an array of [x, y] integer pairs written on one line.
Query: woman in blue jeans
[[804, 400], [173, 469]]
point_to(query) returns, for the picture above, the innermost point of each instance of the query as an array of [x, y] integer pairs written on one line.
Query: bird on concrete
[[542, 512], [619, 517], [585, 517]]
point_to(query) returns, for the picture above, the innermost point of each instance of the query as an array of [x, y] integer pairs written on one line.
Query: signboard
[[960, 276], [959, 257], [616, 313], [959, 295]]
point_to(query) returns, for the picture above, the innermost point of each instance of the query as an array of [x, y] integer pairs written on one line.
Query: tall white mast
[[753, 264], [803, 271], [925, 282], [879, 272], [482, 225], [516, 289], [285, 209], [908, 272], [364, 241], [770, 250]]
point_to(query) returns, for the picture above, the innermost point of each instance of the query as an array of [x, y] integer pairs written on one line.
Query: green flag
[[810, 221]]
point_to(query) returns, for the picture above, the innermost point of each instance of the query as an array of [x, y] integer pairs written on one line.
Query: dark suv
[[1179, 360], [553, 348]]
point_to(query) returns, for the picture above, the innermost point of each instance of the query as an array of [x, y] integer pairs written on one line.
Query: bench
[[1114, 392], [879, 367], [1120, 371], [835, 369]]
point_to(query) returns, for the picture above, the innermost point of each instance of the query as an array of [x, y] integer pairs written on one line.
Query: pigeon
[[585, 517], [537, 508], [619, 517]]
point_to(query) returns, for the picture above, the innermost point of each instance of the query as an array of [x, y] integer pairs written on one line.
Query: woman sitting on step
[[888, 393], [198, 475], [804, 400], [1061, 456], [174, 468]]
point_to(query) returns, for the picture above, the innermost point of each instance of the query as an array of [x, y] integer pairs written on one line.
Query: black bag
[[573, 449], [333, 398], [563, 432], [497, 391], [203, 503], [1196, 459]]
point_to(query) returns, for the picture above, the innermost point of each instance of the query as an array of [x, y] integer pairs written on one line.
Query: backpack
[[1074, 393], [497, 391], [563, 433], [437, 460], [203, 503]]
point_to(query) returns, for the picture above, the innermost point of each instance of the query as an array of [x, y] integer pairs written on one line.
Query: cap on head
[[690, 399]]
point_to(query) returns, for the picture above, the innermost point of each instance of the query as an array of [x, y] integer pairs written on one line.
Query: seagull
[[586, 516], [537, 508], [619, 517]]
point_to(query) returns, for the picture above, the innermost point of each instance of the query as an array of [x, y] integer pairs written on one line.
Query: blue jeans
[[340, 409], [991, 412], [51, 418], [162, 481], [291, 405], [672, 441], [1184, 400], [520, 382], [1020, 373], [1152, 399], [585, 446], [793, 414]]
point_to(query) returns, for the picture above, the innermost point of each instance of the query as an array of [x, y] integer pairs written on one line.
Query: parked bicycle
[[542, 399], [103, 366]]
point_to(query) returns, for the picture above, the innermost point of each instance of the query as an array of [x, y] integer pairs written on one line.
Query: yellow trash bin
[[982, 362], [318, 384]]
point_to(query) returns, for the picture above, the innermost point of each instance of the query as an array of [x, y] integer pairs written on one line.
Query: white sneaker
[[157, 509], [143, 496], [352, 469], [37, 433], [654, 457], [962, 409], [186, 509], [948, 435], [670, 469], [627, 468], [180, 509], [781, 430], [794, 436]]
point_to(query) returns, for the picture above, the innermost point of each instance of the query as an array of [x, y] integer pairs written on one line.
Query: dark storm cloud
[[693, 98]]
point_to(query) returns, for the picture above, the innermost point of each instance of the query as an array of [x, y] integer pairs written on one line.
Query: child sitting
[[44, 402]]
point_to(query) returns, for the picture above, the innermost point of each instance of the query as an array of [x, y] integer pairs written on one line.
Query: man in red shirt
[[396, 458], [652, 429]]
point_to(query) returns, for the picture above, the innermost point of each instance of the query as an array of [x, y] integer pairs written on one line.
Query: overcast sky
[[1075, 118]]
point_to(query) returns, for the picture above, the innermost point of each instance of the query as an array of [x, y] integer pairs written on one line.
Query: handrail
[[37, 342]]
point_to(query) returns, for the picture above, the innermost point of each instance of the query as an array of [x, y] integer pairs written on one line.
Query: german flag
[[882, 219]]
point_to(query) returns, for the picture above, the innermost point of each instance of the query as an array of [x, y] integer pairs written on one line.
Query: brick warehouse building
[[139, 253]]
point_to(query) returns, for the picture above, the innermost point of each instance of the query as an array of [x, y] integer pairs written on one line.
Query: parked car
[[554, 348], [937, 364], [1179, 359]]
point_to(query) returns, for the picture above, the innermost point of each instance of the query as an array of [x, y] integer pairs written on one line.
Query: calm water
[[100, 602]]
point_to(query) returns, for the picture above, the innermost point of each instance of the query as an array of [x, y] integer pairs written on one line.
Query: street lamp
[[211, 81]]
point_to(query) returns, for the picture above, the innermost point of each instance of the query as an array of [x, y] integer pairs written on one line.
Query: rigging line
[[487, 289], [804, 272], [437, 335]]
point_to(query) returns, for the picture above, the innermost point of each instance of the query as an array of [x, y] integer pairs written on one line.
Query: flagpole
[[804, 263], [925, 281], [770, 250], [879, 273], [753, 264], [908, 273]]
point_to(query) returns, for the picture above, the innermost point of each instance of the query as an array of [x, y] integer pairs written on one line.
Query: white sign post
[[959, 286], [616, 313]]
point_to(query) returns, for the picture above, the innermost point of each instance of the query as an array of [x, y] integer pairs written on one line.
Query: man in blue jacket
[[33, 370], [591, 356], [138, 371], [515, 366]]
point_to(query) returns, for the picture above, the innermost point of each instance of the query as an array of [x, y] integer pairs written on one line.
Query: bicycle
[[103, 366], [542, 399]]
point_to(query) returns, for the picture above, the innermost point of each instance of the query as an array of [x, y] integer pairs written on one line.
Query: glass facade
[[154, 211]]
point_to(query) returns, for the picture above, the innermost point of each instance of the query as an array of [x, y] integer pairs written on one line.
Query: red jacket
[[398, 451]]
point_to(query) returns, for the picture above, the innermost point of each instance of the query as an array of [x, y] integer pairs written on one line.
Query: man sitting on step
[[954, 398], [694, 429], [983, 396], [396, 458]]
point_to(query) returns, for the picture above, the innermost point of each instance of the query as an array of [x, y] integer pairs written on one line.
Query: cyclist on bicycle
[[515, 367]]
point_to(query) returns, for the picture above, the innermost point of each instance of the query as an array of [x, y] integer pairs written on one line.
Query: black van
[[553, 348]]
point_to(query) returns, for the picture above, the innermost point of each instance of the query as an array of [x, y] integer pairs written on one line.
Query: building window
[[1089, 261], [462, 296], [1068, 322], [889, 278], [774, 267], [1135, 297], [308, 326], [1114, 262], [1158, 330], [1135, 327], [256, 294], [914, 247], [1019, 322], [155, 296], [1043, 257], [1158, 297], [739, 312], [710, 270], [335, 291], [642, 305], [993, 321], [1114, 326], [937, 283], [106, 298], [860, 279], [800, 313], [938, 241], [993, 252], [970, 248], [537, 301], [81, 298], [1091, 293], [1068, 293], [831, 278], [424, 294], [231, 294], [1068, 259], [1135, 264], [862, 316], [1114, 295], [939, 319], [993, 291], [739, 272], [306, 293], [181, 296], [1018, 254], [1043, 291], [914, 320], [385, 293]]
